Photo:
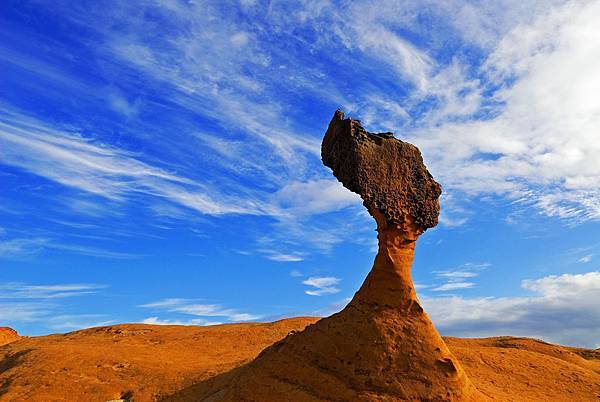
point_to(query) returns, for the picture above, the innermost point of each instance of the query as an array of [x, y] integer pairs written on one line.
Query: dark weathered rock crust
[[387, 173]]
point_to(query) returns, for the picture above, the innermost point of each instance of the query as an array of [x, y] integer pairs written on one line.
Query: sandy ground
[[164, 363]]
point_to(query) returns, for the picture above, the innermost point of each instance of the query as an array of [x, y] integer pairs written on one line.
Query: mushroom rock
[[382, 346]]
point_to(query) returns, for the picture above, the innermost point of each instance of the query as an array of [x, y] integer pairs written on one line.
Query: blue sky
[[159, 161]]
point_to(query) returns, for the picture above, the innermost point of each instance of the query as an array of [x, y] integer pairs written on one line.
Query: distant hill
[[8, 335]]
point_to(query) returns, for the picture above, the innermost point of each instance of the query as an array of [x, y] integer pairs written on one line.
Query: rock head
[[382, 346], [387, 173]]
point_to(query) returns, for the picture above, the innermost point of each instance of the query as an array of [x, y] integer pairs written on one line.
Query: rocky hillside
[[147, 363]]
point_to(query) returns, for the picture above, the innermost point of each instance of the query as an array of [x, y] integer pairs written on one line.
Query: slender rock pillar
[[382, 346]]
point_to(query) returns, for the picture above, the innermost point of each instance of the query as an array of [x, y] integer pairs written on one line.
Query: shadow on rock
[[10, 361], [209, 390]]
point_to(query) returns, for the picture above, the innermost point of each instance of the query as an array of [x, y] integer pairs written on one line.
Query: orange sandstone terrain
[[8, 335], [174, 363]]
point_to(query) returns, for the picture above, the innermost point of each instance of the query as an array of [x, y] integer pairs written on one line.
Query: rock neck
[[390, 283]]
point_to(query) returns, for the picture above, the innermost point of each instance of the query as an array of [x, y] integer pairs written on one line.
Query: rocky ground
[[173, 363]]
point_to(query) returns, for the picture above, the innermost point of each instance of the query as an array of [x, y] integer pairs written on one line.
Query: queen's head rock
[[382, 346], [387, 173]]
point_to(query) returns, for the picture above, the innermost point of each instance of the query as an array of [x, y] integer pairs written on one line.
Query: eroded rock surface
[[382, 346], [8, 335], [387, 173]]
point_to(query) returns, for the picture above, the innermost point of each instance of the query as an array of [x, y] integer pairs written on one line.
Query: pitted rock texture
[[382, 346], [387, 173]]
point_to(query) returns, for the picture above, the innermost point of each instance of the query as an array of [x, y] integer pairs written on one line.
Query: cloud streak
[[321, 285], [102, 170], [45, 305], [189, 307], [457, 279], [26, 291]]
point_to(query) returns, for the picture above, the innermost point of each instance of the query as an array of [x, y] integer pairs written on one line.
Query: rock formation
[[8, 335], [382, 346]]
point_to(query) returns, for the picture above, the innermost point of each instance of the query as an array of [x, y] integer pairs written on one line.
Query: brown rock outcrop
[[382, 346], [8, 335]]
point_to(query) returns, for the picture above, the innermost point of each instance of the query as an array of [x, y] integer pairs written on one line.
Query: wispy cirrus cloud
[[20, 247], [460, 277], [75, 161], [26, 291], [314, 197], [190, 307], [30, 247], [284, 257], [321, 285], [45, 305], [192, 321], [18, 312], [457, 285]]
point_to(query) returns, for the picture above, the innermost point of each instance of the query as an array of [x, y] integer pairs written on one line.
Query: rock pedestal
[[382, 346]]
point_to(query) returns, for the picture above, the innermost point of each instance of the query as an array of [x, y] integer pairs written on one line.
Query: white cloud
[[21, 247], [211, 76], [410, 62], [26, 247], [239, 39], [456, 278], [16, 290], [454, 286], [45, 304], [119, 103], [115, 174], [450, 221], [564, 310], [565, 286], [456, 274], [323, 285], [89, 251], [23, 311], [280, 257], [170, 302], [315, 197], [190, 307], [543, 139], [193, 321], [586, 258]]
